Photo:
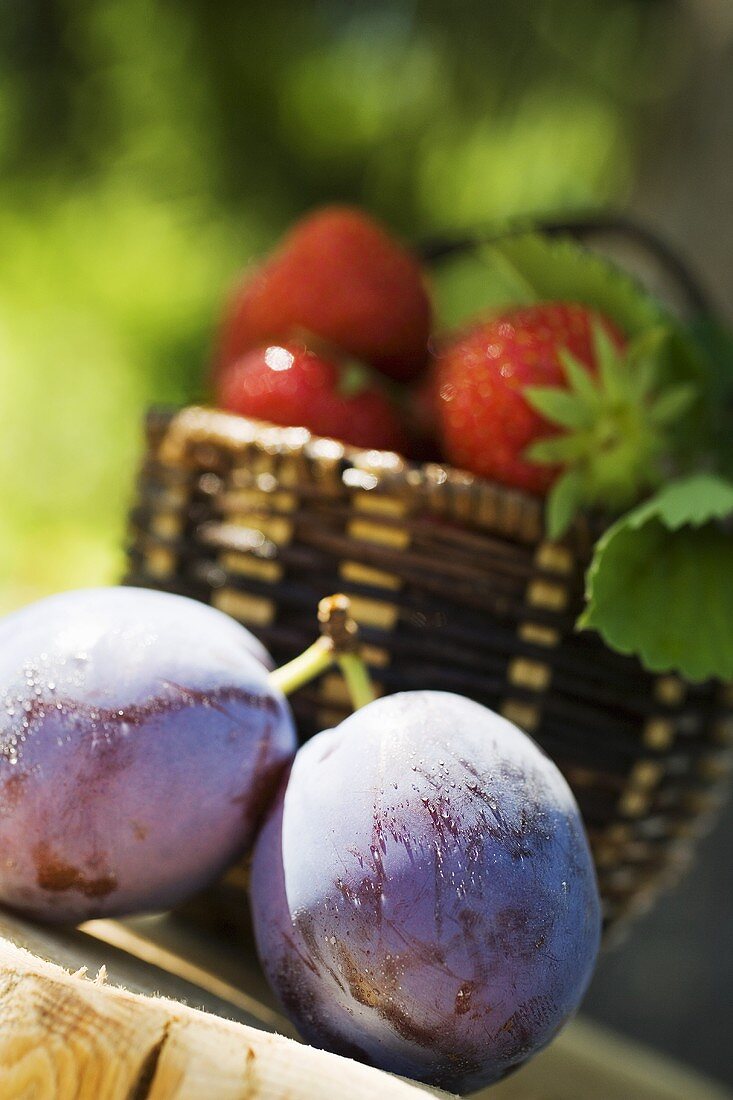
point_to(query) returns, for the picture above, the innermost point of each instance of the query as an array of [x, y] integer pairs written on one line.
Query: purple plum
[[140, 742], [423, 894]]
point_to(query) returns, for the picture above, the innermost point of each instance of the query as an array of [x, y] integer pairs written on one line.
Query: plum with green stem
[[423, 893], [141, 738]]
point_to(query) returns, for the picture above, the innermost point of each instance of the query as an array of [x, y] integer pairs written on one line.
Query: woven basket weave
[[456, 588]]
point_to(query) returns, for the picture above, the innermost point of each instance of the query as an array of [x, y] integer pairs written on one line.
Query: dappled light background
[[150, 150]]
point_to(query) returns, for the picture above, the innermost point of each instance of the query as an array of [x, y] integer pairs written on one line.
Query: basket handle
[[584, 228]]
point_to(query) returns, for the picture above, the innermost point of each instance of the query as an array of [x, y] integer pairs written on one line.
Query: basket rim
[[184, 428]]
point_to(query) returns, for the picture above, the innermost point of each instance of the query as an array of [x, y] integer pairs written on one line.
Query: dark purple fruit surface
[[423, 892], [139, 745]]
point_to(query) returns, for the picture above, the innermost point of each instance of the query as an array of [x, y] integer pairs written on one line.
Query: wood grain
[[66, 1037]]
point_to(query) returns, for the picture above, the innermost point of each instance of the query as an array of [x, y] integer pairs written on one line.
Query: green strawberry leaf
[[672, 403], [644, 368], [579, 378], [529, 267], [691, 501], [477, 284], [646, 346], [556, 450], [563, 501], [612, 367], [661, 581], [560, 406], [561, 270], [512, 280]]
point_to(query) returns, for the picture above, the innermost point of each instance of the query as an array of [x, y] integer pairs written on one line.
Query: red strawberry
[[340, 277], [289, 385], [485, 421]]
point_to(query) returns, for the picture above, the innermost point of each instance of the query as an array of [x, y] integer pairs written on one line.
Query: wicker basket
[[456, 588]]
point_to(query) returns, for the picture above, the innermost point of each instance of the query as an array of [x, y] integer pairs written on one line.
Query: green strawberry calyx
[[616, 440]]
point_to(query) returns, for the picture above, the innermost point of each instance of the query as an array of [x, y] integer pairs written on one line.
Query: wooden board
[[69, 1037], [123, 1027]]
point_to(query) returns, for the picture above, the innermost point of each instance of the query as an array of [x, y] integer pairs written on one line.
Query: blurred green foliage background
[[149, 150]]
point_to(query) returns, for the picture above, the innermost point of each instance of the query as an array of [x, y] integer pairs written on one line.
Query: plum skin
[[139, 744], [423, 894]]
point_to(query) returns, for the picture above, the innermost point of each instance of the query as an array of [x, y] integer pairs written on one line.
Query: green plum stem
[[339, 643], [358, 680], [301, 670]]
